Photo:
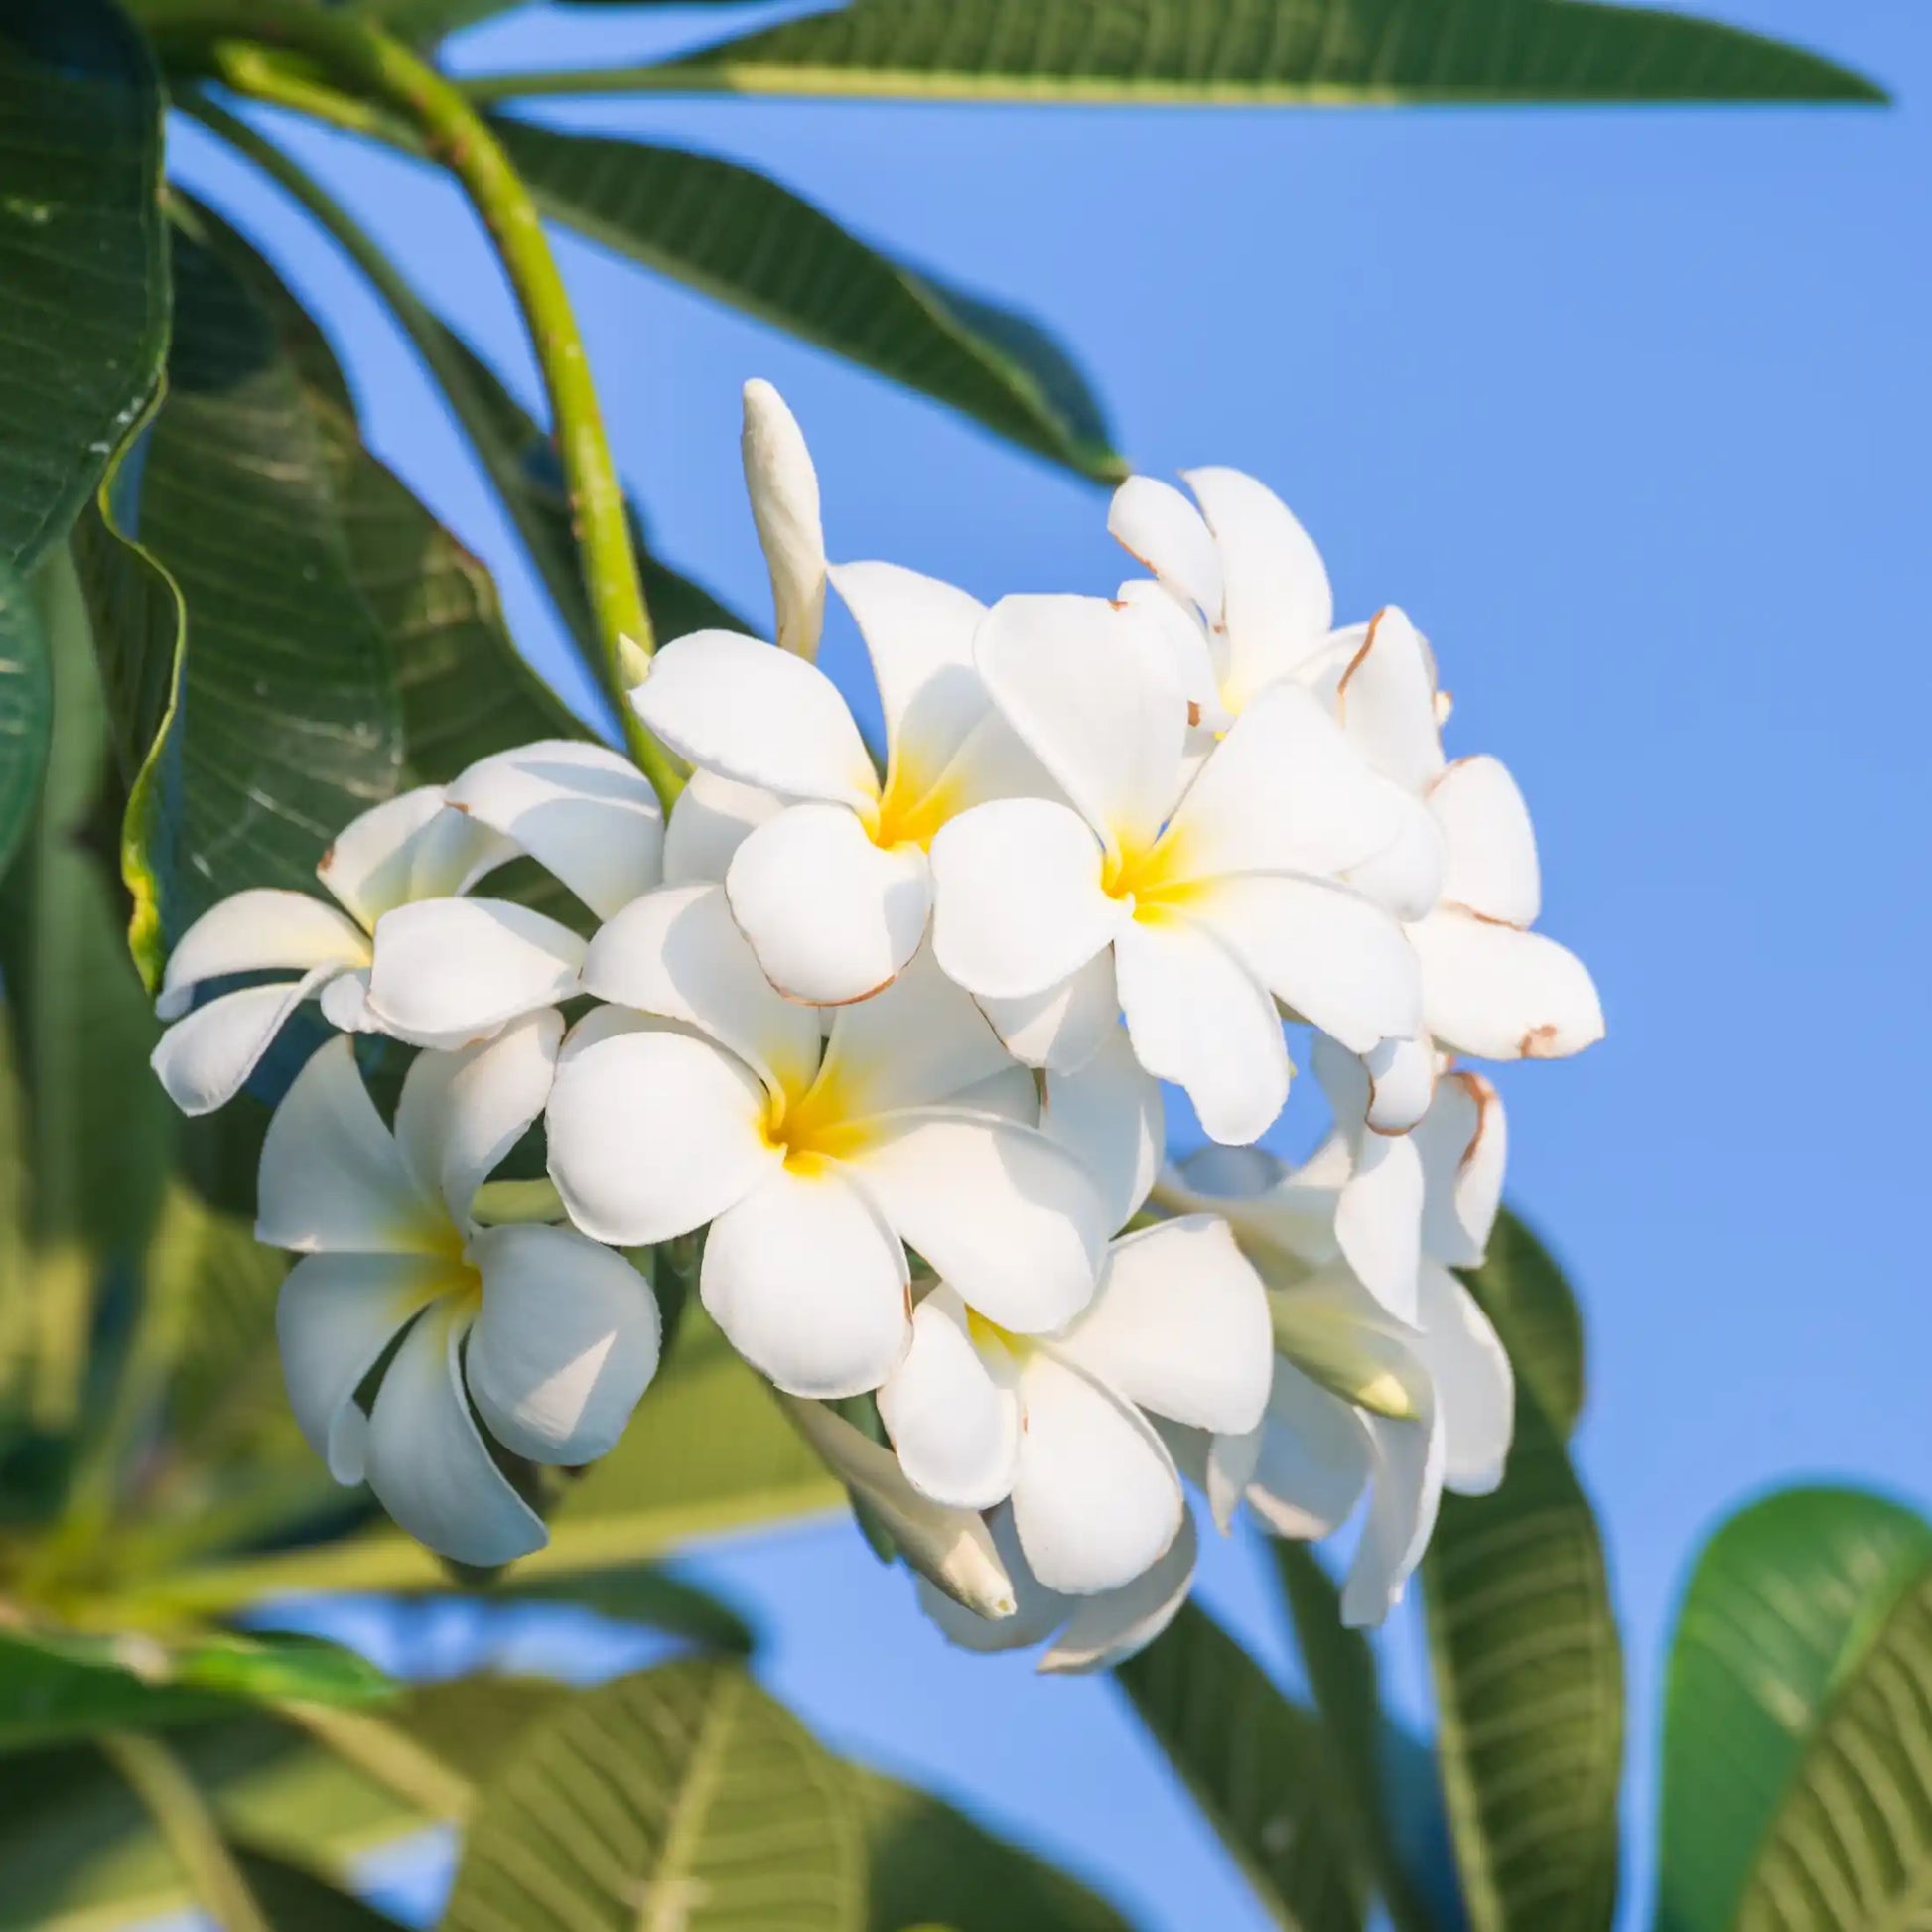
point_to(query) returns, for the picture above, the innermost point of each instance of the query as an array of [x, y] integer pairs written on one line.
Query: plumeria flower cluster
[[888, 1032]]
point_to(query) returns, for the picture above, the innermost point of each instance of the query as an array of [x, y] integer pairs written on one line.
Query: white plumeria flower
[[411, 952], [703, 1096], [551, 1337], [1088, 1632], [1361, 1401], [1189, 898], [832, 888]]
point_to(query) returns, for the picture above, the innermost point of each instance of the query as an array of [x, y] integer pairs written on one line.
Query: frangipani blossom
[[832, 889], [703, 1096], [550, 1336], [411, 952], [1189, 897]]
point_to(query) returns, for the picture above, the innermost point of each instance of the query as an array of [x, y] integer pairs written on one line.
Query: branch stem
[[190, 1828]]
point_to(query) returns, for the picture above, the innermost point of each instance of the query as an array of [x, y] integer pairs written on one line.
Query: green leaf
[[682, 1795], [931, 1864], [1799, 1681], [644, 1594], [283, 721], [83, 258], [26, 710], [1529, 1691], [740, 238], [1287, 53], [1260, 1767], [295, 1900], [1524, 1294], [57, 1685]]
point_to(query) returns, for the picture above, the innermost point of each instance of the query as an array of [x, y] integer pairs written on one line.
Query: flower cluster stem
[[351, 52]]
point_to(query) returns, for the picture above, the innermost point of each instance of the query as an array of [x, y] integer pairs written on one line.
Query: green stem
[[390, 77], [191, 1831]]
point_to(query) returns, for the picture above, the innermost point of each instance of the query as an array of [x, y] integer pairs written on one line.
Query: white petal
[[783, 489], [1500, 994], [712, 818], [1110, 1628], [1231, 1466], [255, 931], [1476, 1390], [1340, 962], [831, 917], [952, 1410], [919, 1042], [583, 812], [1278, 600], [1408, 1486], [1096, 1499], [1401, 1083], [1464, 1144], [1017, 899], [1159, 528], [1314, 1459], [1216, 1174], [652, 1133], [1011, 1094], [1198, 1017], [1179, 1327], [761, 716], [918, 632], [1109, 1115], [565, 1344], [1037, 1609], [427, 1464], [999, 1210], [1191, 653], [1061, 1029], [460, 1113], [334, 1318], [1089, 685], [459, 968], [1378, 1221], [1387, 702], [345, 1002], [807, 1283], [332, 1177], [678, 953], [1406, 876], [1492, 868], [204, 1061], [409, 848], [1283, 791]]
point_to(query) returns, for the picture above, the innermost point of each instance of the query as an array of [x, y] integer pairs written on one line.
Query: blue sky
[[1629, 410]]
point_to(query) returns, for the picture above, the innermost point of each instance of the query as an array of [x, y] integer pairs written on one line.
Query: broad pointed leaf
[[1323, 53], [735, 234], [683, 1794], [1796, 1790], [1259, 1765], [83, 258], [1524, 1293]]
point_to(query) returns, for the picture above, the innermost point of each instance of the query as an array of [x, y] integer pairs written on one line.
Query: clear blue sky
[[1630, 410]]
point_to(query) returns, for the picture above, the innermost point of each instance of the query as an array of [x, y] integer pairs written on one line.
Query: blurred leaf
[[83, 258], [932, 1865], [682, 1795], [1260, 1767], [295, 1900], [644, 1593], [60, 1685], [1529, 1691], [740, 238], [1286, 53], [1418, 1827], [26, 709], [1524, 1294], [1796, 1791], [283, 722]]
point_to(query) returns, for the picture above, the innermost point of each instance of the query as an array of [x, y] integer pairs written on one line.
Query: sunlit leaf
[[1797, 1793]]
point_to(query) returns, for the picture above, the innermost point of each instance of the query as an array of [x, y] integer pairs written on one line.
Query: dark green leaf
[[740, 238], [1318, 53], [644, 1594], [1529, 1693], [295, 1900], [683, 1794], [1798, 1681], [26, 709], [1259, 1766], [1524, 1294], [934, 1865], [83, 258]]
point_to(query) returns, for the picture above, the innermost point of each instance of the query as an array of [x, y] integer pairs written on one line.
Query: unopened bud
[[783, 489]]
